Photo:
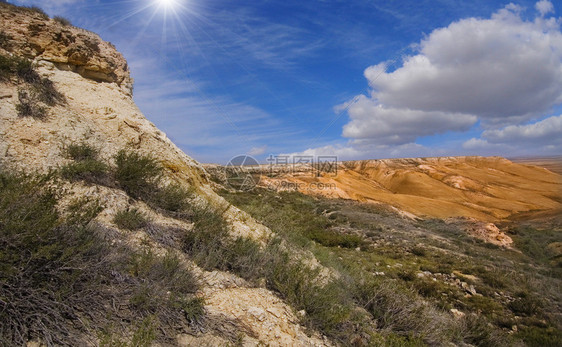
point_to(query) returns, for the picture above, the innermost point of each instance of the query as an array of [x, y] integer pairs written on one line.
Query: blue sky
[[358, 79]]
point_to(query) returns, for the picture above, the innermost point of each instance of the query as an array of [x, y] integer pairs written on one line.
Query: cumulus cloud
[[499, 72], [386, 125], [540, 138], [361, 149], [503, 70], [544, 7], [545, 132]]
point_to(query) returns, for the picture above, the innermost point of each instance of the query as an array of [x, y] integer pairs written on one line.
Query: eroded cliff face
[[98, 109], [31, 35]]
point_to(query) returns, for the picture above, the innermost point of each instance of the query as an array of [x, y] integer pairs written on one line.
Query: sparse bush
[[407, 275], [330, 238], [139, 175], [172, 197], [47, 93], [89, 170], [5, 40], [540, 337], [131, 219], [43, 277], [39, 11], [477, 331], [86, 166], [80, 151], [525, 304], [419, 251], [63, 21], [6, 68], [17, 67], [29, 106], [495, 278]]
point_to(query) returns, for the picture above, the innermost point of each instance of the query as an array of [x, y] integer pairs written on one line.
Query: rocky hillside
[[487, 189], [66, 109]]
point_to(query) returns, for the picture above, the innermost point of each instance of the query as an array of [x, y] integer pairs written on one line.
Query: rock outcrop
[[31, 35]]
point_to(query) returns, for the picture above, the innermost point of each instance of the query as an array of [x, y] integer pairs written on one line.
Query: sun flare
[[167, 3]]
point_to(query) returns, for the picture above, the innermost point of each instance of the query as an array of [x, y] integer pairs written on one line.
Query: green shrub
[[327, 305], [4, 43], [29, 106], [80, 151], [48, 267], [330, 238], [540, 337], [477, 331], [495, 278], [525, 304], [88, 170], [193, 309], [86, 166], [131, 219], [419, 251], [145, 333], [63, 21], [139, 175], [23, 69], [172, 197]]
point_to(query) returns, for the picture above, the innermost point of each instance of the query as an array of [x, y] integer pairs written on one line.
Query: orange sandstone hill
[[485, 188]]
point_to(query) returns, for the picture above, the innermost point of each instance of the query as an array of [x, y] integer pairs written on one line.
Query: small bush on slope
[[137, 174], [141, 177], [85, 166], [63, 21], [131, 219], [36, 92]]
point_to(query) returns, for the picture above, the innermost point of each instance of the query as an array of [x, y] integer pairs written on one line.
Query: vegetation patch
[[131, 219], [407, 271], [85, 165], [63, 21], [60, 279], [36, 92], [141, 177]]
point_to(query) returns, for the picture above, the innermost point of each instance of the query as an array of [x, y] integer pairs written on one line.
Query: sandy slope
[[483, 188]]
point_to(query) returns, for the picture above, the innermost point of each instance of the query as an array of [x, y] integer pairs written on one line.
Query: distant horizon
[[355, 80], [554, 157]]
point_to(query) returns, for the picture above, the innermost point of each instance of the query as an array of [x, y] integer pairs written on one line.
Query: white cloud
[[257, 150], [343, 152], [541, 138], [503, 69], [361, 149], [501, 72], [545, 132], [544, 7], [372, 120]]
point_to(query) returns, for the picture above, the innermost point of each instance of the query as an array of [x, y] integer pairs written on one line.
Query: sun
[[167, 3]]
